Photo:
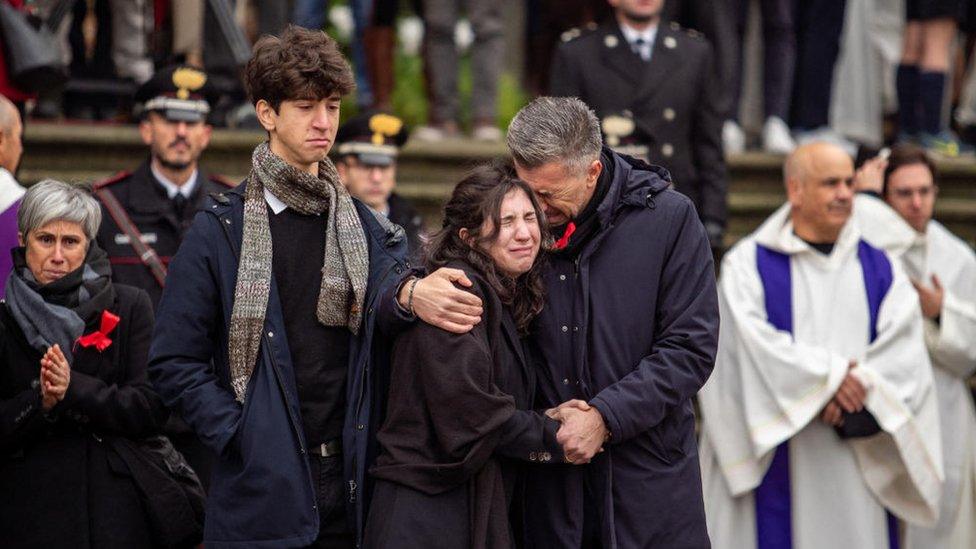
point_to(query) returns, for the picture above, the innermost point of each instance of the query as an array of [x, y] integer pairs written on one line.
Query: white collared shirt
[[277, 206], [631, 35], [172, 189]]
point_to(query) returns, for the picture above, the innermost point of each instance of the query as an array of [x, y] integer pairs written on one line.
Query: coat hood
[[634, 183]]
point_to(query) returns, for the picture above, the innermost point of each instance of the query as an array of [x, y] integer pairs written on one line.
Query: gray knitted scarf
[[344, 273]]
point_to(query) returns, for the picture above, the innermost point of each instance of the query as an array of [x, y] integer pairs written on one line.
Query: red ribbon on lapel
[[100, 338], [564, 239]]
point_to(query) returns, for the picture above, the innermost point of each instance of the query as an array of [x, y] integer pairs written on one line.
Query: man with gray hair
[[626, 338], [10, 190]]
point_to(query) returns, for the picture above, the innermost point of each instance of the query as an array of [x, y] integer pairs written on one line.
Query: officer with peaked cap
[[366, 155], [146, 213]]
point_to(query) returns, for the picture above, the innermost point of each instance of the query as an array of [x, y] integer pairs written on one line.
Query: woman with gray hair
[[73, 351]]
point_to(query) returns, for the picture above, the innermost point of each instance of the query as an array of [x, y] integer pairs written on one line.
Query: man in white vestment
[[943, 270], [819, 423]]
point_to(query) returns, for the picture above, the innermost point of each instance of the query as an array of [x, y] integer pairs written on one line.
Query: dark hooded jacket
[[630, 325]]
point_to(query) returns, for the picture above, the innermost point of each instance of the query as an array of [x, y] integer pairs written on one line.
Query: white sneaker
[[733, 138], [776, 136], [487, 133], [430, 134]]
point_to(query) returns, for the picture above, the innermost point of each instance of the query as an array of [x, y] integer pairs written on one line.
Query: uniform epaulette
[[114, 179], [220, 198], [221, 180]]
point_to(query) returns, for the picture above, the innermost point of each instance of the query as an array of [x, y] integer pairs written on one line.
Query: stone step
[[427, 172]]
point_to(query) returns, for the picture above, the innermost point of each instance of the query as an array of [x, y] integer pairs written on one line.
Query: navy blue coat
[[631, 326], [261, 492]]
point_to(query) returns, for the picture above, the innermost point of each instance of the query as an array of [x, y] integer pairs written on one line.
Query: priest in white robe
[[943, 270], [819, 423]]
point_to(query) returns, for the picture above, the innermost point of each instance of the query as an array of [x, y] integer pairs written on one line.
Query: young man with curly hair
[[272, 336]]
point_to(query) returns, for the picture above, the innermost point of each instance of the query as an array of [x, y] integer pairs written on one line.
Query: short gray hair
[[560, 129], [52, 200]]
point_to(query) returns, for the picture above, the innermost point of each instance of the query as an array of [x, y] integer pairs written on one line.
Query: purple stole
[[774, 521], [8, 241]]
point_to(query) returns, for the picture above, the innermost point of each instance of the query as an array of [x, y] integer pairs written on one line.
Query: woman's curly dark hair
[[476, 198], [301, 64]]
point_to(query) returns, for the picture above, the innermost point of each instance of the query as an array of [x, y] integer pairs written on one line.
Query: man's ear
[[145, 131], [593, 172], [266, 115], [794, 193]]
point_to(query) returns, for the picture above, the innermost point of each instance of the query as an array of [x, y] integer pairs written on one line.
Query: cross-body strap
[[146, 253]]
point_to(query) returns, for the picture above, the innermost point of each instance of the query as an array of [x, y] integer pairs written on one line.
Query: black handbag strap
[[146, 253]]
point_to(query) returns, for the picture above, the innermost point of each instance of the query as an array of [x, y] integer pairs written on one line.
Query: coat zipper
[[264, 341]]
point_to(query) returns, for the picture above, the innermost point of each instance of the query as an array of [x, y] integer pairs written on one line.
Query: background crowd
[[854, 72]]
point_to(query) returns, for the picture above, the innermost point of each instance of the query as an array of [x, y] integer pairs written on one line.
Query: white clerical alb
[[770, 385], [951, 343]]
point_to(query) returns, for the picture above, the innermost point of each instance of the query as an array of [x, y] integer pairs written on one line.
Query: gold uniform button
[[669, 114]]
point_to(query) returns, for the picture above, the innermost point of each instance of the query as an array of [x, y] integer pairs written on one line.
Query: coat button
[[669, 114], [562, 277], [565, 328], [227, 221], [670, 42], [270, 334], [667, 150], [360, 426], [575, 328], [546, 456], [532, 456], [565, 381]]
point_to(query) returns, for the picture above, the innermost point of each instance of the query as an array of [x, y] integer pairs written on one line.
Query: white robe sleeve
[[952, 342], [903, 465], [765, 386]]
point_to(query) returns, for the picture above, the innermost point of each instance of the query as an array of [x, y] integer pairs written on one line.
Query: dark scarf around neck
[[58, 312]]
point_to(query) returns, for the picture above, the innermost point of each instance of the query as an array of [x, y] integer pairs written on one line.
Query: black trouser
[[818, 32], [330, 491], [779, 53]]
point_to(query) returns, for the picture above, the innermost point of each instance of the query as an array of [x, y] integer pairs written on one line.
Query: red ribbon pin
[[564, 239], [100, 338]]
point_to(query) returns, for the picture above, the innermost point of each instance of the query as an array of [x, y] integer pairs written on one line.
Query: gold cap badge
[[186, 80]]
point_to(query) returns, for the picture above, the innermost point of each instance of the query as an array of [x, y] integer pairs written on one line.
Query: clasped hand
[[582, 433], [55, 377], [849, 398]]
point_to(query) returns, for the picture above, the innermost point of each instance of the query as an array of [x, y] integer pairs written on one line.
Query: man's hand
[[55, 377], [437, 301], [557, 412], [851, 394], [871, 175], [931, 300], [832, 414], [582, 434]]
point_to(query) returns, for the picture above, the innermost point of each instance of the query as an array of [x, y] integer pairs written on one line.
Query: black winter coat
[[459, 427], [631, 326], [61, 484]]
